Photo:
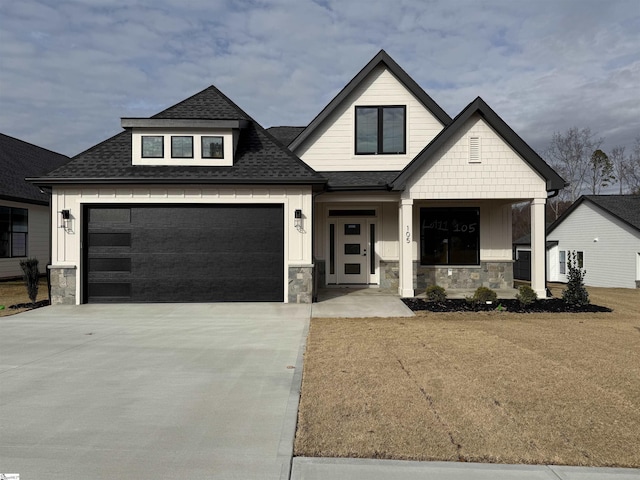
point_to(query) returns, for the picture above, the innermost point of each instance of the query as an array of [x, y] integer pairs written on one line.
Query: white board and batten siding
[[611, 248], [37, 240], [331, 147], [66, 242]]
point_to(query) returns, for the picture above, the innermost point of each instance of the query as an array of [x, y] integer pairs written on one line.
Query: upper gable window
[[212, 147], [380, 130], [152, 146], [181, 147]]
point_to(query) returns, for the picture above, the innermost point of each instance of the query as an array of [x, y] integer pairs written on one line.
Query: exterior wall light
[[66, 218], [297, 219]]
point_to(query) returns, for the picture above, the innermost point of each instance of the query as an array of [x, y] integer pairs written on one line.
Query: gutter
[[44, 181]]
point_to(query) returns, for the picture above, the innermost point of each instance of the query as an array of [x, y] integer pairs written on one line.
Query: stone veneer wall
[[488, 274], [301, 284], [63, 285], [389, 275]]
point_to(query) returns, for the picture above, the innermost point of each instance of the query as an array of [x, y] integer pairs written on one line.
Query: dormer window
[[212, 147], [181, 146], [184, 141], [380, 130], [152, 146]]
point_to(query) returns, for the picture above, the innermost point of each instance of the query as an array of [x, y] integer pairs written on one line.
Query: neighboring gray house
[[604, 231], [24, 208], [382, 189]]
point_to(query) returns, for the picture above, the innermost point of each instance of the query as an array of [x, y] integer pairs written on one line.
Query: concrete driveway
[[150, 391]]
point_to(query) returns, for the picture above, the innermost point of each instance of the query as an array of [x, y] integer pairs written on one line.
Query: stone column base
[[300, 283], [63, 284]]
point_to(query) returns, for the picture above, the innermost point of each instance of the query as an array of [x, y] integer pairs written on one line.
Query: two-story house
[[381, 189]]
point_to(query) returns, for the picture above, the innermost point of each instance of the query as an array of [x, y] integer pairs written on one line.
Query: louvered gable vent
[[474, 149]]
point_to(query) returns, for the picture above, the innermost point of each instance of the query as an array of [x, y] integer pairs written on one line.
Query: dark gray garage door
[[221, 253]]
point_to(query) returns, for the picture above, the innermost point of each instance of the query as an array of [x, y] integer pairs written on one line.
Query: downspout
[[554, 193], [49, 191], [314, 288]]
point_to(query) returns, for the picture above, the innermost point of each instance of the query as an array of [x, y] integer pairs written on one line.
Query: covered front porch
[[382, 244]]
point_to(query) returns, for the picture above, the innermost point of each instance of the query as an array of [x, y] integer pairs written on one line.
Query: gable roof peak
[[625, 208], [381, 57], [478, 105], [208, 104]]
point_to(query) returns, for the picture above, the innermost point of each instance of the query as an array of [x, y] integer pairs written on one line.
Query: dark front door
[[211, 253]]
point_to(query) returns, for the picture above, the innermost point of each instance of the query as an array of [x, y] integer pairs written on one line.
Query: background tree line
[[577, 156]]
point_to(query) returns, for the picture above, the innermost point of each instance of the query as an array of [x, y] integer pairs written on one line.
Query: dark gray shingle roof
[[623, 207], [19, 159], [359, 180], [285, 135], [260, 158]]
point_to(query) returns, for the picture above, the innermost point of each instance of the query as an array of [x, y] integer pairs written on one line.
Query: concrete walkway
[[197, 391], [358, 303], [362, 469]]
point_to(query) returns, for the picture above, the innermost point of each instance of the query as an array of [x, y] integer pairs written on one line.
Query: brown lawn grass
[[482, 387], [13, 292]]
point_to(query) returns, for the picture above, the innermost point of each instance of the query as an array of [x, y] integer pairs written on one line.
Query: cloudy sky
[[70, 69]]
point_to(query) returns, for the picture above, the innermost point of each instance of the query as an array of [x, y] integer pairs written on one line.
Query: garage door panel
[[185, 254]]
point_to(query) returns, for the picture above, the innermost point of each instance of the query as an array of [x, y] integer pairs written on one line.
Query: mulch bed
[[41, 303], [551, 305]]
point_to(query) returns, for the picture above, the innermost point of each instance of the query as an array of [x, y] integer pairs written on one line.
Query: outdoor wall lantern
[[66, 217], [297, 219]]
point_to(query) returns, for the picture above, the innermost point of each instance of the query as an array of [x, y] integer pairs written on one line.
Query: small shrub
[[31, 277], [435, 293], [576, 293], [526, 295], [484, 295]]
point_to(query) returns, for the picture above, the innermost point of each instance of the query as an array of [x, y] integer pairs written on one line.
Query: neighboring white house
[[24, 209], [382, 189], [604, 233]]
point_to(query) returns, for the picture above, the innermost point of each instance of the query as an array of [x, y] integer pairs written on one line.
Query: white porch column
[[538, 247], [405, 286]]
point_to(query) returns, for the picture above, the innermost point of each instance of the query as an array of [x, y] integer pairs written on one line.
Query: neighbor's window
[[380, 130], [181, 147], [563, 262], [450, 236], [14, 223], [212, 147], [580, 256], [152, 146]]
